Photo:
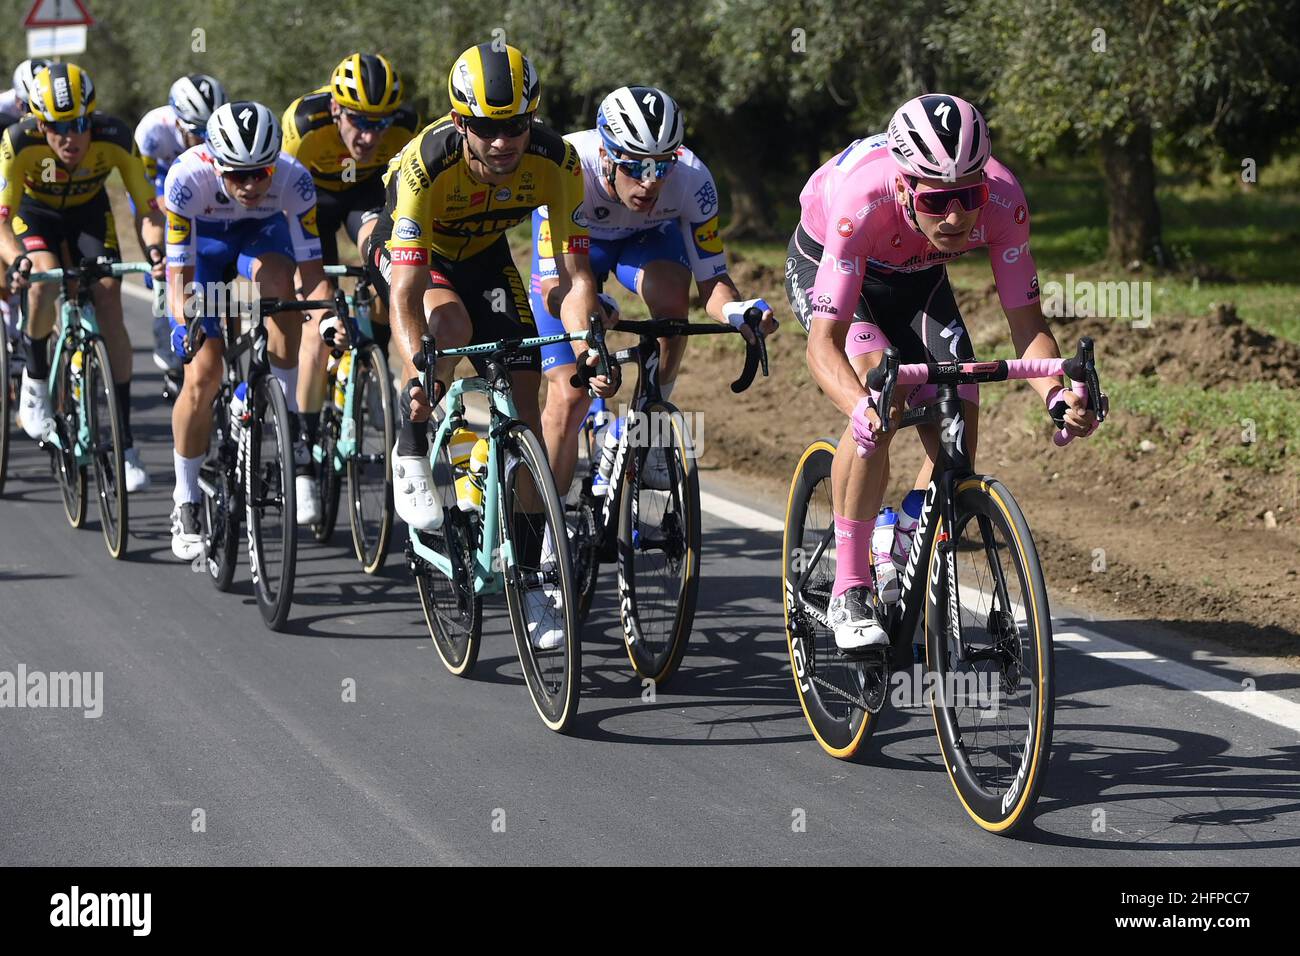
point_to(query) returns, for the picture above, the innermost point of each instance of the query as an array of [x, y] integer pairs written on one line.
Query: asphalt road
[[223, 743]]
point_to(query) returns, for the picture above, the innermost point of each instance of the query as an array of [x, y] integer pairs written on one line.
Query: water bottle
[[905, 530], [608, 452], [239, 405], [341, 380], [882, 557], [78, 361], [469, 488]]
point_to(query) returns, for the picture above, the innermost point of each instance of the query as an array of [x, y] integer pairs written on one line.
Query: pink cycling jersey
[[850, 206]]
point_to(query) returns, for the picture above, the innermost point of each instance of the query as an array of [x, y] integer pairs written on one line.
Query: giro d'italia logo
[[844, 227]]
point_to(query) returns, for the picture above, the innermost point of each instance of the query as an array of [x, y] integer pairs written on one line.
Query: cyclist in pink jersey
[[865, 269]]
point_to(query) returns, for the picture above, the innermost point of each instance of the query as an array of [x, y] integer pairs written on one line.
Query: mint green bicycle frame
[[74, 314], [487, 578], [359, 314]]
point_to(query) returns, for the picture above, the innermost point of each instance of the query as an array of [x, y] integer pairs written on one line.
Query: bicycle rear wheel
[[452, 610], [221, 498], [370, 477], [330, 485], [659, 543], [831, 687], [539, 583], [580, 512], [106, 438], [67, 426], [269, 502], [992, 656], [7, 399]]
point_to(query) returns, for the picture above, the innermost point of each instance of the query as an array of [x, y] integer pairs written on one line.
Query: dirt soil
[[1179, 546]]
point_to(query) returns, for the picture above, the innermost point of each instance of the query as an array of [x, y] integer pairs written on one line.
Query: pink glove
[[864, 433]]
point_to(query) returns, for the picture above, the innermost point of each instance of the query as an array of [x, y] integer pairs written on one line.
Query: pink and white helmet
[[937, 136]]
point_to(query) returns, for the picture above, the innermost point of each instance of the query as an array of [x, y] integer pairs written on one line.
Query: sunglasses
[[67, 127], [485, 128], [936, 202], [640, 169], [243, 176], [372, 124]]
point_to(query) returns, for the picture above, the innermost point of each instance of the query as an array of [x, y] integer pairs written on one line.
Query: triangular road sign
[[58, 13]]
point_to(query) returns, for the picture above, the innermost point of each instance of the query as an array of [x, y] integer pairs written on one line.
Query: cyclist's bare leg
[[313, 359], [565, 409], [107, 296], [665, 287], [192, 411], [273, 277], [41, 298], [858, 484]]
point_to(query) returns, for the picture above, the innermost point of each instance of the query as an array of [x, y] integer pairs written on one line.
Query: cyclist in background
[[651, 208], [235, 203], [161, 136], [866, 269], [345, 134], [13, 109], [54, 211]]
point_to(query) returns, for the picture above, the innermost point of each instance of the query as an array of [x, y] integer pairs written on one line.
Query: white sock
[[666, 389], [187, 478], [288, 379], [33, 384], [548, 549]]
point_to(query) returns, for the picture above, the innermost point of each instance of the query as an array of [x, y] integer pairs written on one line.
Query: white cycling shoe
[[134, 476], [307, 497], [187, 531], [545, 610], [655, 474], [413, 496], [854, 620], [34, 415]]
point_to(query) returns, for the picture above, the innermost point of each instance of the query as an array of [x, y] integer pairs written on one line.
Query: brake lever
[[596, 339]]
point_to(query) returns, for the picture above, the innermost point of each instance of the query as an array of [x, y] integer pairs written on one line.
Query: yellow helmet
[[367, 83], [61, 92], [496, 83]]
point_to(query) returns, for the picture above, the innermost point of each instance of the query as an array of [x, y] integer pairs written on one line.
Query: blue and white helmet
[[640, 121], [243, 135], [194, 97], [25, 75]]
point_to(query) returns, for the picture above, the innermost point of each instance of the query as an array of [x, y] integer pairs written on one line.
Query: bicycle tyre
[[221, 506], [994, 808], [371, 534], [6, 400], [553, 679], [67, 417], [268, 495], [679, 527], [329, 487], [453, 611], [105, 422], [840, 726]]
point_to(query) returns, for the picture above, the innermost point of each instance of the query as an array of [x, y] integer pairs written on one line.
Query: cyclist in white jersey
[[651, 207], [236, 202]]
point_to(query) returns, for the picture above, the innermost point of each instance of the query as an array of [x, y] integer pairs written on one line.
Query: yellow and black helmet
[[495, 81], [62, 91], [367, 83]]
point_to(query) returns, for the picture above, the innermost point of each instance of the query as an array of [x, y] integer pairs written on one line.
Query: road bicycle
[[355, 434], [87, 434], [494, 547], [973, 584], [650, 526], [249, 467]]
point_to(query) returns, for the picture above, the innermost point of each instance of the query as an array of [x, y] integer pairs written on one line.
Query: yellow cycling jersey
[[435, 203], [312, 137], [28, 166]]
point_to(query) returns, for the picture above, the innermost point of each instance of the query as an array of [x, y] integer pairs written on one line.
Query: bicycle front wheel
[[989, 642], [831, 687], [8, 398], [329, 487], [106, 452], [67, 426], [221, 498], [658, 542], [539, 583], [370, 477], [269, 503]]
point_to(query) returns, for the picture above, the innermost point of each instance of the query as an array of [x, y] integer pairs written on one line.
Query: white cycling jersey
[[193, 193], [160, 139], [689, 198]]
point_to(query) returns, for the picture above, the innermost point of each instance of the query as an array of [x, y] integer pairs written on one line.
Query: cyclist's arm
[[409, 258], [11, 174], [148, 218], [182, 201], [300, 210], [574, 296], [833, 297]]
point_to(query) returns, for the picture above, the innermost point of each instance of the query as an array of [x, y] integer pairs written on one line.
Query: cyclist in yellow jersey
[[54, 211], [439, 252], [346, 133]]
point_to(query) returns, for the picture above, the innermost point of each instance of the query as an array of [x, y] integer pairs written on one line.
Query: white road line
[[1237, 694]]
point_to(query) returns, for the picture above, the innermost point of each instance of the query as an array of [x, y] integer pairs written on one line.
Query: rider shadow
[[1207, 799]]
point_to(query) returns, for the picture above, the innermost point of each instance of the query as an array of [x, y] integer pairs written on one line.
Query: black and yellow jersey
[[312, 137], [434, 203], [29, 167]]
